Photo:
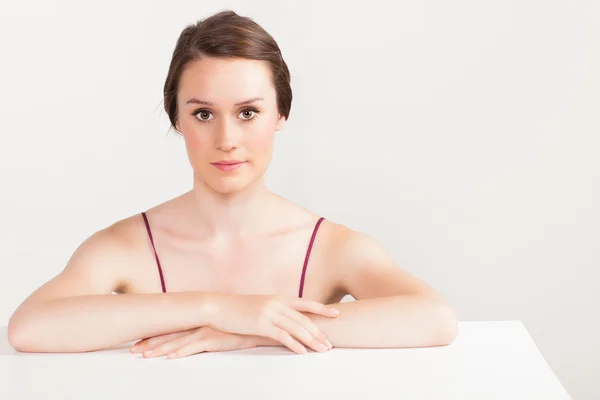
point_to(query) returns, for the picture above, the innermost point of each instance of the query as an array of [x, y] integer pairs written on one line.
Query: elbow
[[16, 334], [22, 334], [447, 323]]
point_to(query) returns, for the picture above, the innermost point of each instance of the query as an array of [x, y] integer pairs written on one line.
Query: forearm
[[93, 322], [387, 322]]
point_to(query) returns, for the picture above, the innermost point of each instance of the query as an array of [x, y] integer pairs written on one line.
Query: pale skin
[[232, 253]]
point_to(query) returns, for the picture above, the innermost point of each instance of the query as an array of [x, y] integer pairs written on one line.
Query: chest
[[265, 266]]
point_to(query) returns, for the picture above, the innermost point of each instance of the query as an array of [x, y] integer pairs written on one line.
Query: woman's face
[[216, 128]]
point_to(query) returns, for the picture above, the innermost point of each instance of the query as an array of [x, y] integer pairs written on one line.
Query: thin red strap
[[312, 240], [162, 281]]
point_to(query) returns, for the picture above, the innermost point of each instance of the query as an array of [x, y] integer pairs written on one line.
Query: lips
[[229, 166], [228, 162]]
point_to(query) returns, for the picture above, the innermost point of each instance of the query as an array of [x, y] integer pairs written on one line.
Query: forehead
[[224, 81]]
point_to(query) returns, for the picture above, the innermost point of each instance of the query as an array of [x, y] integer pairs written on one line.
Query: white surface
[[489, 360], [463, 135]]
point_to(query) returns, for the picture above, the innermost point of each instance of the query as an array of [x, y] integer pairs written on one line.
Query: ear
[[280, 122]]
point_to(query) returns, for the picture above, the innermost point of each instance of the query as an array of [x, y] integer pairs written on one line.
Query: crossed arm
[[72, 312]]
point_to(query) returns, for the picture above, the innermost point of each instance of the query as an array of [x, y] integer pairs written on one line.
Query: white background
[[462, 135]]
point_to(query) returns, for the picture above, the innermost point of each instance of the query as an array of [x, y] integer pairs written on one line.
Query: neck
[[232, 214]]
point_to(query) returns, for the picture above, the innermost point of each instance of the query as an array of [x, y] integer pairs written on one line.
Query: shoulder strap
[[312, 240], [162, 281]]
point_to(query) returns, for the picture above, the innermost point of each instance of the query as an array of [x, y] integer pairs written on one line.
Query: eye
[[251, 115], [204, 112]]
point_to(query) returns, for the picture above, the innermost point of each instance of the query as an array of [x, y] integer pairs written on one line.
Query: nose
[[227, 136]]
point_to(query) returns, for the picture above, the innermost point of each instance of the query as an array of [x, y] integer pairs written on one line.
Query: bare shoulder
[[345, 248], [105, 256], [115, 240], [113, 253], [362, 267], [97, 266], [347, 244]]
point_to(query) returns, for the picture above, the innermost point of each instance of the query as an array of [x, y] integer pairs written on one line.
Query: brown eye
[[203, 114], [246, 112], [254, 114]]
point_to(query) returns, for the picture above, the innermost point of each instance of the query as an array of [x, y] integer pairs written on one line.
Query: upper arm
[[91, 269], [364, 269]]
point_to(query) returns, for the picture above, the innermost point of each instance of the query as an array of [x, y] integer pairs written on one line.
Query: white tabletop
[[488, 360]]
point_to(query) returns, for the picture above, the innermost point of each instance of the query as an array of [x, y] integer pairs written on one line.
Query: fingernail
[[147, 354], [335, 311], [135, 348], [322, 348], [328, 343]]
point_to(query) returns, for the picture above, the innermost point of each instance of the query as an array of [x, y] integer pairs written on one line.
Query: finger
[[308, 325], [286, 339], [154, 340], [167, 347], [196, 347], [297, 331], [149, 343], [314, 307]]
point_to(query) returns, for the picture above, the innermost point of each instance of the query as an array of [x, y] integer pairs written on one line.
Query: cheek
[[193, 140], [261, 142]]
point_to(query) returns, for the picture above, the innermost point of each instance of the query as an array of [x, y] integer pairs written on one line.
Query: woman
[[225, 266]]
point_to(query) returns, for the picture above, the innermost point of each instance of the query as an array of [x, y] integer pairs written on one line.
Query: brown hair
[[227, 35]]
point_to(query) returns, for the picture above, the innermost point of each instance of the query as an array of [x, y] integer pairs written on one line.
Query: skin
[[230, 234]]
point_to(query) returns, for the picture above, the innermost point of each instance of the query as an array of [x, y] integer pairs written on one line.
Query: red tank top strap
[[162, 280], [310, 245]]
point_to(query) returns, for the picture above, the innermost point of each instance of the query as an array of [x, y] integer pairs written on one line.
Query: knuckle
[[284, 336], [275, 301], [306, 321], [281, 335], [268, 305], [266, 308]]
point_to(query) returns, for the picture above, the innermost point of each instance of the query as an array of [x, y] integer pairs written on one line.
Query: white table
[[488, 360]]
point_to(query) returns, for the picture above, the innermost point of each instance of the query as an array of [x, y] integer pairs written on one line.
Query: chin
[[228, 185]]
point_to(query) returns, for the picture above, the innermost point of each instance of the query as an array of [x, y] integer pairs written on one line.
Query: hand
[[192, 341], [276, 317]]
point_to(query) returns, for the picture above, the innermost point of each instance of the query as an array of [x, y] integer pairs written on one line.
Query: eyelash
[[256, 112]]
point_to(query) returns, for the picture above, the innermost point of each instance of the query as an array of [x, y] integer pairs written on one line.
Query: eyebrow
[[209, 103]]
